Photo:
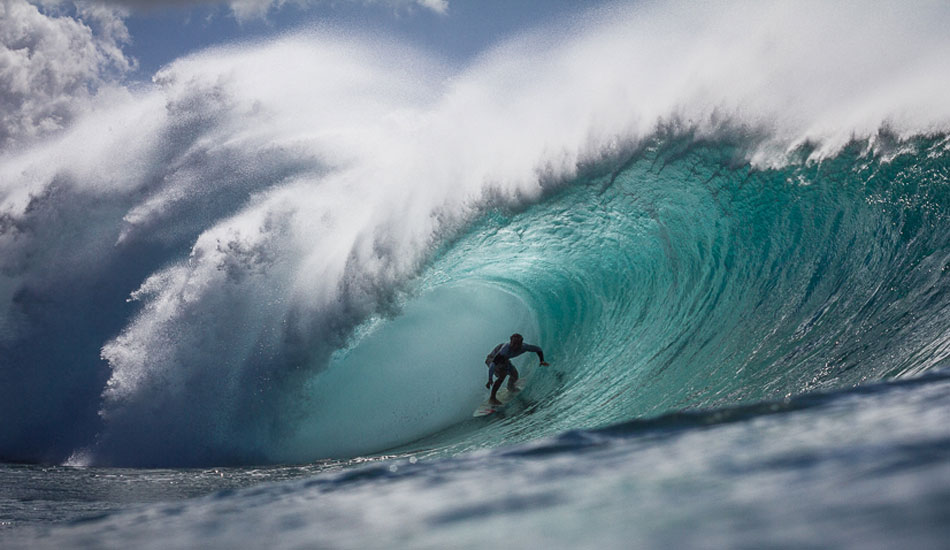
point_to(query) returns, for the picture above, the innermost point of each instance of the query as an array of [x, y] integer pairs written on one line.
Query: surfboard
[[504, 395]]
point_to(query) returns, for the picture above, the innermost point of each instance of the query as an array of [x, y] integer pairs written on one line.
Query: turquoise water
[[740, 358], [243, 306], [684, 281], [862, 468]]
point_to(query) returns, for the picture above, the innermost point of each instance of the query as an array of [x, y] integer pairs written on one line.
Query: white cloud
[[438, 6], [245, 10], [54, 57], [252, 9]]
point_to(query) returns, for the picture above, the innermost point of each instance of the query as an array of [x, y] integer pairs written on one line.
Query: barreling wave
[[688, 279], [683, 216]]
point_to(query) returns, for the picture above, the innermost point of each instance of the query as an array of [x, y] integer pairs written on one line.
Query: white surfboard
[[504, 395]]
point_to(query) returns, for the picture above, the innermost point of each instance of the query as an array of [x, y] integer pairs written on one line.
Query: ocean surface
[[246, 305]]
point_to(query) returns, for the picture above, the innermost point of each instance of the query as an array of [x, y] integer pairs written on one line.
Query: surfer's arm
[[536, 349]]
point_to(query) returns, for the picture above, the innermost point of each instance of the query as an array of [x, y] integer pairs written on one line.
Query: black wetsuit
[[500, 359]]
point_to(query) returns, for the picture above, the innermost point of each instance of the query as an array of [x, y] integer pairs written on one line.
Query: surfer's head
[[517, 340]]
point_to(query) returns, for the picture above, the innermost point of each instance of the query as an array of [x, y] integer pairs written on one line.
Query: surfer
[[499, 364]]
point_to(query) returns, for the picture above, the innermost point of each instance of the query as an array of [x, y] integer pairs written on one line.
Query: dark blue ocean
[[245, 306]]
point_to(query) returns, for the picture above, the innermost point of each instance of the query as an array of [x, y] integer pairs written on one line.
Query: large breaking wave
[[303, 248]]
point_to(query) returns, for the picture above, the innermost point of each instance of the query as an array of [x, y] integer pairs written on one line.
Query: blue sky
[[466, 28]]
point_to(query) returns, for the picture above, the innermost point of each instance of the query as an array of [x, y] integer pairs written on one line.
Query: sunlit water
[[732, 247]]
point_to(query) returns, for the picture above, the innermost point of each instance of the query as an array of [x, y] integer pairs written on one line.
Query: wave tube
[[276, 211]]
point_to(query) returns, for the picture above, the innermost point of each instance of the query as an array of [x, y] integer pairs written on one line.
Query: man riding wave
[[499, 364]]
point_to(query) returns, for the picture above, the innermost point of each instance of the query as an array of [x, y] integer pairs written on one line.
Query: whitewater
[[248, 302]]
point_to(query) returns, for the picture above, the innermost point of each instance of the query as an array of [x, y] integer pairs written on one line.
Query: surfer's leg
[[501, 374], [512, 378]]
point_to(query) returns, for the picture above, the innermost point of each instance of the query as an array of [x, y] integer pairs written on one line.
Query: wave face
[[687, 279], [318, 259]]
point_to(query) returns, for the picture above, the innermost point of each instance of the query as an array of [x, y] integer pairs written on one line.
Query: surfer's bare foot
[[494, 402]]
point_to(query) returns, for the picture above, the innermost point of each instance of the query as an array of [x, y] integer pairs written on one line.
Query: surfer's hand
[[545, 364]]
